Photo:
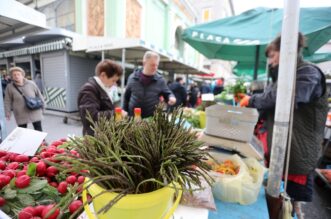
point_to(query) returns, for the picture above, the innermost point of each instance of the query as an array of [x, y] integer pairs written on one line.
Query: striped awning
[[45, 47]]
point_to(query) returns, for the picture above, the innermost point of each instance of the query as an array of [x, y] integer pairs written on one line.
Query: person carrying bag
[[32, 103], [25, 99]]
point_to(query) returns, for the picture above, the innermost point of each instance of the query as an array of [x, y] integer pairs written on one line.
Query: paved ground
[[54, 126], [320, 208]]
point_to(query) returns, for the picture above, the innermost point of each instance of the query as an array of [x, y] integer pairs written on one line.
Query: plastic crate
[[231, 122]]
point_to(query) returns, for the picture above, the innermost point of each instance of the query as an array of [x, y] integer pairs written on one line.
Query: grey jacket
[[309, 116], [144, 97], [14, 100]]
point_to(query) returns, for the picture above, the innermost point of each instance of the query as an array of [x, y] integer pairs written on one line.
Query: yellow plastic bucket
[[155, 205]]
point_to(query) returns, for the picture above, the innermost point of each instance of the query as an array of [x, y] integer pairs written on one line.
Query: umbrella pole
[[3, 130], [257, 59], [123, 77], [287, 71]]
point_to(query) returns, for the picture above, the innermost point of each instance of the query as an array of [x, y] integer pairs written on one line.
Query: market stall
[[133, 168], [131, 51], [47, 171], [20, 21]]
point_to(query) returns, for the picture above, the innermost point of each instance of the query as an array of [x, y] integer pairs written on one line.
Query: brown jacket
[[14, 100], [93, 99]]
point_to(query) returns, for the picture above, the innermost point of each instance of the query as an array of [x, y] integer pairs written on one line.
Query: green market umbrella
[[243, 38], [247, 68], [319, 57]]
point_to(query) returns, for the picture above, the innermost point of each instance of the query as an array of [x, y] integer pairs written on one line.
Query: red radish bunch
[[47, 210], [75, 205], [40, 211], [22, 181], [62, 187], [24, 170], [2, 201]]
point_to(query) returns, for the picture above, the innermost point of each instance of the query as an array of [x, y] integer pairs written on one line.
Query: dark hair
[[110, 67], [178, 79], [275, 44]]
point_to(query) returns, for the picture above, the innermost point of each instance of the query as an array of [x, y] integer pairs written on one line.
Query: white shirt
[[108, 90]]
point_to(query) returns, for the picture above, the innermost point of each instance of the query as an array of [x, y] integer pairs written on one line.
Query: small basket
[[231, 122]]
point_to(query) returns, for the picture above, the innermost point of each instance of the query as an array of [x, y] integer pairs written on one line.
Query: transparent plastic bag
[[199, 198], [252, 188], [243, 187]]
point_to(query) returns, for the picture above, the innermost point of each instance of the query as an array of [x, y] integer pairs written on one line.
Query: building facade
[[207, 11], [158, 22]]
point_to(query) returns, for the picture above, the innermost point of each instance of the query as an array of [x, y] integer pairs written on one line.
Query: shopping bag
[[281, 207]]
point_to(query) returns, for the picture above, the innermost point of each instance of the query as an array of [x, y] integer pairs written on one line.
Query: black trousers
[[36, 126]]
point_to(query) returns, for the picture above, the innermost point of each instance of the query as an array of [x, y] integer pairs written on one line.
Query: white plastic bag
[[252, 188], [243, 187]]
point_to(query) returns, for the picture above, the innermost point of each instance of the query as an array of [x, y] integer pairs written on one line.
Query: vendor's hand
[[238, 97], [172, 101], [244, 101], [8, 117]]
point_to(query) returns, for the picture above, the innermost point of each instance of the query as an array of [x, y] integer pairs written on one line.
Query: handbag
[[32, 103]]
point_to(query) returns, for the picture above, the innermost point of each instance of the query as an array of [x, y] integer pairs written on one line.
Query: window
[[206, 14], [60, 14], [179, 44]]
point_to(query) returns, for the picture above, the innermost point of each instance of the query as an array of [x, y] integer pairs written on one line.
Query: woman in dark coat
[[309, 117], [94, 97]]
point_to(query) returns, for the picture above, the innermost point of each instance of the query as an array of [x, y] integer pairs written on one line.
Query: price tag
[[3, 215], [84, 214], [23, 141], [207, 97]]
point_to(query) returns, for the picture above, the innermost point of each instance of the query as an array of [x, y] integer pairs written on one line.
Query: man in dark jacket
[[205, 88], [94, 97], [4, 82], [193, 94], [219, 87], [179, 91], [145, 86]]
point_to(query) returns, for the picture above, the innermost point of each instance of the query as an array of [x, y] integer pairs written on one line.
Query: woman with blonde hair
[[14, 100]]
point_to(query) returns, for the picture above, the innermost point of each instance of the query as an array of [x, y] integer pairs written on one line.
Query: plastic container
[[202, 119], [158, 204], [242, 188], [231, 122], [118, 113], [137, 114]]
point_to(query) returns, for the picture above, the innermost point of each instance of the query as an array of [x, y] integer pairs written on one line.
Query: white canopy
[[17, 19], [134, 52]]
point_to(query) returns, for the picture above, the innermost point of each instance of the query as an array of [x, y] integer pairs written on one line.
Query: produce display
[[230, 92], [136, 157], [32, 188], [327, 174], [192, 116]]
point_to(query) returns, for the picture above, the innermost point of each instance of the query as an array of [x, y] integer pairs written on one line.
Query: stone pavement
[[53, 124]]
